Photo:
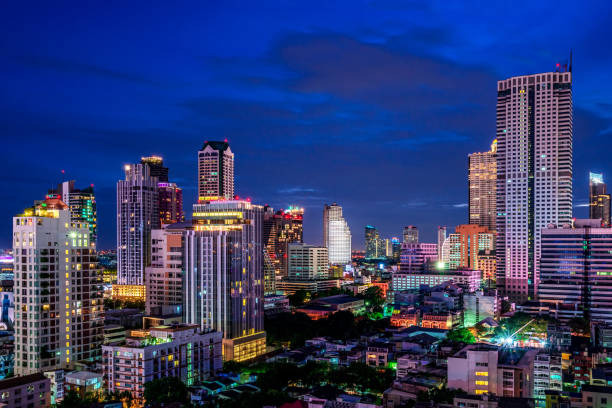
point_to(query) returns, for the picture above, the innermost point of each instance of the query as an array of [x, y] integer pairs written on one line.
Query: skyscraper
[[411, 235], [224, 281], [534, 173], [215, 172], [59, 311], [441, 239], [82, 204], [375, 246], [279, 230], [137, 215], [599, 199], [472, 240], [170, 203], [336, 235], [482, 180], [307, 262], [156, 167], [576, 270]]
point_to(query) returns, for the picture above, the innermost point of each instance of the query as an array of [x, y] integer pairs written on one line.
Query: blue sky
[[371, 104]]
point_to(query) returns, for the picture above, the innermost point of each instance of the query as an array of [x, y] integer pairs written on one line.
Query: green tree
[[164, 390], [580, 325], [460, 336], [299, 298]]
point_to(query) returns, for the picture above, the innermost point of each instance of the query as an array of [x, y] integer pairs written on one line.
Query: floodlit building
[[307, 262], [215, 172], [576, 270], [479, 305], [181, 351], [224, 282], [336, 235], [467, 278], [482, 180], [416, 255], [534, 173], [59, 317], [599, 199], [82, 204], [281, 228], [137, 215]]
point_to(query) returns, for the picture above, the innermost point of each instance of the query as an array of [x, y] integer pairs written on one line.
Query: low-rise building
[[594, 396], [114, 333], [30, 391], [445, 321], [289, 287], [56, 387], [275, 304], [84, 382], [547, 375], [168, 351], [467, 278], [483, 368]]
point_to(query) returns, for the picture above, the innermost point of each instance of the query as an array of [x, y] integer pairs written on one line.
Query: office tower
[[59, 308], [534, 173], [473, 239], [375, 247], [451, 251], [180, 351], [336, 235], [307, 262], [163, 278], [170, 203], [599, 199], [480, 305], [397, 248], [487, 264], [156, 167], [441, 239], [215, 172], [279, 230], [137, 215], [224, 281], [388, 245], [411, 235], [482, 180], [269, 275], [415, 256], [576, 270], [82, 204]]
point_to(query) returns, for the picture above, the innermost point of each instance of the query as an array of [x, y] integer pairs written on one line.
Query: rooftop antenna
[[570, 61]]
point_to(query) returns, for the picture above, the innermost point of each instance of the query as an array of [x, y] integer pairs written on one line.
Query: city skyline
[[109, 82]]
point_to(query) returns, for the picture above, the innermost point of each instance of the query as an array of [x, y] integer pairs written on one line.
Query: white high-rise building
[[307, 262], [59, 311], [137, 215], [336, 235], [215, 172], [534, 173], [441, 240]]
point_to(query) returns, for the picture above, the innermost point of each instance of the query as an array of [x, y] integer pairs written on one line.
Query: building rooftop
[[20, 381], [337, 299]]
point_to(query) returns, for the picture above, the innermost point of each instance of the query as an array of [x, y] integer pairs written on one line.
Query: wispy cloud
[[460, 205], [581, 205], [296, 190], [413, 204]]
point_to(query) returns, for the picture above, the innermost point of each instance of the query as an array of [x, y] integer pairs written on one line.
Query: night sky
[[372, 104]]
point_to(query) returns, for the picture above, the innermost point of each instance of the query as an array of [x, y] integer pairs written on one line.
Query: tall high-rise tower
[[59, 311], [336, 235], [224, 280], [411, 235], [215, 172], [137, 215], [599, 199], [156, 167], [82, 204], [441, 239], [482, 180], [280, 229], [534, 173]]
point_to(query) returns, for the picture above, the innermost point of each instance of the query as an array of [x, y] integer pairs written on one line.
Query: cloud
[[295, 190], [581, 205], [460, 205]]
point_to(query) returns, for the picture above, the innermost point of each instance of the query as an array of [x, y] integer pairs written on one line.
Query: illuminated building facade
[[411, 235], [397, 248], [487, 264], [163, 278], [414, 256], [467, 278], [336, 235], [307, 262], [534, 173], [224, 282], [156, 167], [59, 311], [215, 172], [473, 239], [479, 305], [441, 239], [180, 351], [280, 229], [576, 270], [129, 292], [137, 215], [599, 199], [82, 204], [482, 187], [375, 246], [170, 198]]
